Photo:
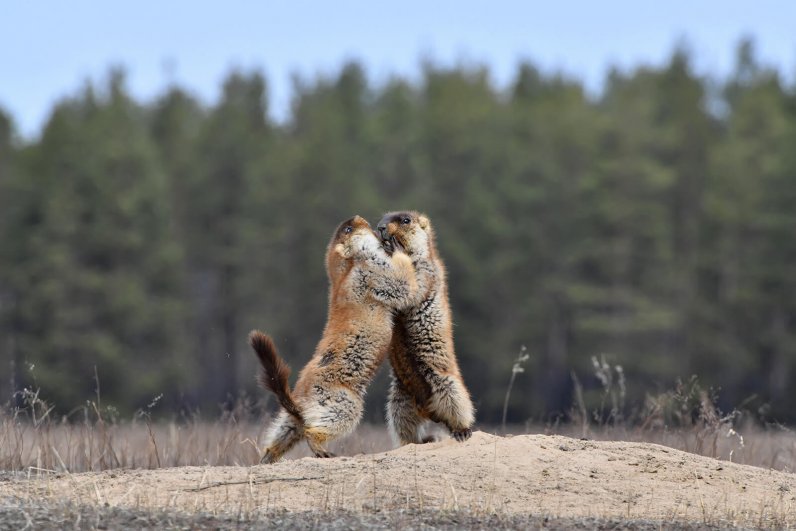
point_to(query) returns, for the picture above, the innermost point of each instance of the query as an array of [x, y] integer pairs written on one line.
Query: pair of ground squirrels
[[385, 294]]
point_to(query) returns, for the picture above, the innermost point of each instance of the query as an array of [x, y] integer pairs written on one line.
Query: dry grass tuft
[[32, 440], [95, 439]]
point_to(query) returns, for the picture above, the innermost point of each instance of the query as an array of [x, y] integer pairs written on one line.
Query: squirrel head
[[353, 238], [407, 230]]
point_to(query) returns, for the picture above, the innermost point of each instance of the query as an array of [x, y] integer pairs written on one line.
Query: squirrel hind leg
[[450, 405], [316, 439], [339, 415], [270, 456], [318, 448], [403, 418], [282, 436]]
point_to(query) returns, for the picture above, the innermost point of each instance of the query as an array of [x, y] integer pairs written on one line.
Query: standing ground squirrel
[[426, 382]]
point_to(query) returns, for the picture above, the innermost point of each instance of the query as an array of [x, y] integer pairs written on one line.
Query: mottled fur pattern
[[426, 381], [366, 286]]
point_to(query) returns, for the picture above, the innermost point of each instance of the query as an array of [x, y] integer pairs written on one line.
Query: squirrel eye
[[406, 221], [348, 229]]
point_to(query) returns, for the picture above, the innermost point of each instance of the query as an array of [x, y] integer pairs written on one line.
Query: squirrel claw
[[323, 454], [461, 435]]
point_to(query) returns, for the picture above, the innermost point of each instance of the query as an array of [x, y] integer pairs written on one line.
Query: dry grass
[[685, 417], [773, 447], [32, 439], [94, 438]]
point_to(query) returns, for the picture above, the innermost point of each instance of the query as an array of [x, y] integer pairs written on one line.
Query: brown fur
[[366, 286], [427, 383], [274, 372]]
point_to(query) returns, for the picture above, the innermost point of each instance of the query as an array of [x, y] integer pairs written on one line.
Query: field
[[101, 473]]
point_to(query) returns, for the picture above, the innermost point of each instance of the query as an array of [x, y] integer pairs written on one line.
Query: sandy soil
[[534, 475]]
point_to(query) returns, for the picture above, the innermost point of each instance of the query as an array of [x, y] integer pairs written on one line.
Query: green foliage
[[652, 228], [95, 267]]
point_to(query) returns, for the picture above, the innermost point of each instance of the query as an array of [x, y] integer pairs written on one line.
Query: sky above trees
[[49, 50]]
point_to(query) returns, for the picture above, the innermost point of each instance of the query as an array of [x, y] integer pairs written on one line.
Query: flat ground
[[487, 482]]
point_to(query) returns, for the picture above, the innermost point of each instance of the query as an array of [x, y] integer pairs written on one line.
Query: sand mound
[[529, 474]]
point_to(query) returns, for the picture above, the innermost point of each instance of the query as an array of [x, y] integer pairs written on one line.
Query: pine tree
[[543, 197], [10, 240], [749, 339], [220, 208], [98, 280]]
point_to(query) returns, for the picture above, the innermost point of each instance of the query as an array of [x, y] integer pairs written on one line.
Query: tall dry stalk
[[515, 369]]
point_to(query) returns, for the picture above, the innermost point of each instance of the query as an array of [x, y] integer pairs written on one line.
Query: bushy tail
[[275, 372]]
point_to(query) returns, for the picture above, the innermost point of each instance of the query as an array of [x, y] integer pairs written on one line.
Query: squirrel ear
[[341, 250], [423, 221]]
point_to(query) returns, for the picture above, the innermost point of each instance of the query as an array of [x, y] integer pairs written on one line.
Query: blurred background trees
[[654, 225]]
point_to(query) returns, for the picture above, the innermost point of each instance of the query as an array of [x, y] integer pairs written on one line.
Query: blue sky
[[49, 49]]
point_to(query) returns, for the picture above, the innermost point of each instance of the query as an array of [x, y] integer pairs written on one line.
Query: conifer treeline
[[654, 225]]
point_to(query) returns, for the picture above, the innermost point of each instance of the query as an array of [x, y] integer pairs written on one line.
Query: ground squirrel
[[426, 382], [365, 286]]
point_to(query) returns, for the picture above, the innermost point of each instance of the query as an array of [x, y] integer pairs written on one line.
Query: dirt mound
[[521, 475]]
